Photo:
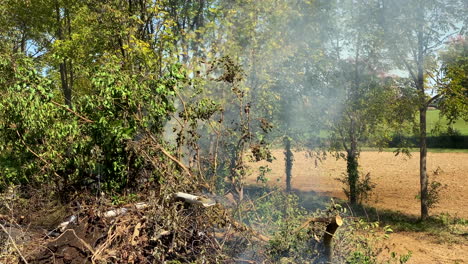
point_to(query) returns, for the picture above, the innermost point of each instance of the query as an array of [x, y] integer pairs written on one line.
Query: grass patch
[[434, 118], [433, 150], [444, 227]]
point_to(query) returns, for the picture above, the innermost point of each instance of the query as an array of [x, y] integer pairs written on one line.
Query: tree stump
[[332, 226], [328, 237]]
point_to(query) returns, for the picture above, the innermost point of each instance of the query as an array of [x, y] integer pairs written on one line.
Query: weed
[[124, 199], [363, 242], [434, 189], [364, 187], [262, 177]]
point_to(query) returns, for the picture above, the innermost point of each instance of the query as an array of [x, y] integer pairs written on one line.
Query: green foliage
[[359, 257], [26, 111], [93, 92], [277, 214], [362, 120], [366, 244], [417, 31], [114, 65], [274, 210], [434, 191], [89, 144], [122, 200], [240, 133], [455, 90], [262, 177], [364, 187]]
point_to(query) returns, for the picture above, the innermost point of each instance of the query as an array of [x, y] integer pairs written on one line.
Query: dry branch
[[242, 227], [165, 152], [13, 243], [336, 219], [87, 120], [244, 261]]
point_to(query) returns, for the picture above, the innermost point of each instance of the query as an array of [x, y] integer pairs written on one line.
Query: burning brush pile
[[170, 227], [171, 218], [153, 232], [174, 227]]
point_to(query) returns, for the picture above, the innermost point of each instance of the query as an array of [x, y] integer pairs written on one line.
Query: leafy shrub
[[278, 215], [433, 190], [89, 145], [364, 187]]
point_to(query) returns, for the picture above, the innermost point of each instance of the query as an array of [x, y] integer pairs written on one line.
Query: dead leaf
[[136, 233]]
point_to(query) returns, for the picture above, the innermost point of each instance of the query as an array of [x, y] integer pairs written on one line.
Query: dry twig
[[14, 244]]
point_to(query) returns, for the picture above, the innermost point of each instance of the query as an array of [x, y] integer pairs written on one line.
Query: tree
[[453, 81], [241, 50], [126, 94], [296, 76], [364, 119], [345, 85], [414, 31]]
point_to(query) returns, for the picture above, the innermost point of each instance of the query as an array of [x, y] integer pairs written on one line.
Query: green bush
[[43, 141]]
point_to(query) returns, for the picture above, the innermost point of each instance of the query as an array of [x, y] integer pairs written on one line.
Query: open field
[[397, 180], [433, 150], [433, 118]]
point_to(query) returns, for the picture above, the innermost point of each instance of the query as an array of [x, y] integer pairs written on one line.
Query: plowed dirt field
[[397, 179]]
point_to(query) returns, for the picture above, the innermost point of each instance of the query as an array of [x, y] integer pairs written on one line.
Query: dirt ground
[[397, 179], [426, 249]]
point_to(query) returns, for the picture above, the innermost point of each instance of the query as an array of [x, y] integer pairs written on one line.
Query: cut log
[[332, 225], [193, 199], [328, 237]]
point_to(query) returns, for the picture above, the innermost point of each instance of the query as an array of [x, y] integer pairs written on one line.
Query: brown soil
[[397, 179], [426, 249]]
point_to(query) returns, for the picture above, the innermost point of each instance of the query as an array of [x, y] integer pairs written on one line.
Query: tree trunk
[[422, 118], [422, 163], [328, 237], [66, 75], [289, 162], [66, 85], [352, 170], [352, 164], [237, 171]]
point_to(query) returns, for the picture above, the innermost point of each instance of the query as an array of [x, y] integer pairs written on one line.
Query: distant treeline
[[444, 141]]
